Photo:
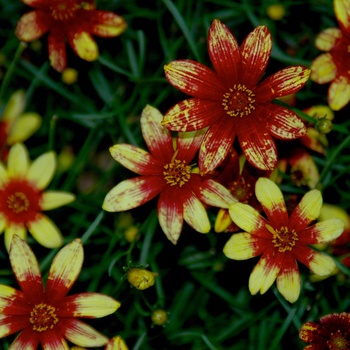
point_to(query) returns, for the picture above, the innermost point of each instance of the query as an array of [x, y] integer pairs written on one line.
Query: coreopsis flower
[[15, 124], [332, 332], [22, 197], [74, 21], [46, 316], [333, 65], [281, 240], [166, 171], [231, 101]]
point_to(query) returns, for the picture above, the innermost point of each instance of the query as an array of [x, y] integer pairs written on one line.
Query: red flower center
[[19, 201], [241, 190], [337, 341], [239, 101], [63, 10], [177, 173], [283, 239], [43, 317]]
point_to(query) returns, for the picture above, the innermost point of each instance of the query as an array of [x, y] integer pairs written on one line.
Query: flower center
[[239, 101], [177, 173], [43, 317], [19, 201], [337, 341], [283, 239], [241, 190], [63, 10]]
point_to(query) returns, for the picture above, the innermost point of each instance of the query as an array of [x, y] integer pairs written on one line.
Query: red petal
[[57, 49], [255, 53], [224, 53], [188, 144], [10, 324], [32, 26], [27, 339]]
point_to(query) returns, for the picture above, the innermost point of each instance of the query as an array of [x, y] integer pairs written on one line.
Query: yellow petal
[[3, 175], [321, 264], [14, 107], [216, 195], [339, 93], [342, 12], [24, 127], [308, 208], [30, 26], [240, 246], [327, 38], [18, 161], [7, 296], [288, 284], [55, 199], [196, 215], [85, 46], [222, 221], [116, 343], [11, 231], [330, 211], [41, 171], [45, 232], [246, 217], [329, 230], [323, 69]]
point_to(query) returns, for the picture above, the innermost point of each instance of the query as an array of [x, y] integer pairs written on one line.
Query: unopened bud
[[324, 125], [159, 317], [141, 278]]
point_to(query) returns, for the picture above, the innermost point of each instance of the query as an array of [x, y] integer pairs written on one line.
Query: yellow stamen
[[43, 317], [239, 101]]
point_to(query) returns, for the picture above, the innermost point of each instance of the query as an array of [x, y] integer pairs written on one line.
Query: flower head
[[332, 332], [47, 316], [71, 20], [166, 171], [22, 198], [281, 240], [333, 65], [231, 101], [15, 125]]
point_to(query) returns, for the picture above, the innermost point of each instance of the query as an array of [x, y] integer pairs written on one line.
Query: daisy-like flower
[[15, 125], [74, 21], [281, 240], [22, 198], [46, 316], [333, 65], [232, 102], [166, 171], [332, 332]]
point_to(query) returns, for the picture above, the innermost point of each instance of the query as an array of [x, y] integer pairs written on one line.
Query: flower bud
[[276, 12], [69, 76], [324, 125], [140, 278], [159, 317]]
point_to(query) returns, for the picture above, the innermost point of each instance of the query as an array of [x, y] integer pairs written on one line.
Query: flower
[[333, 65], [47, 316], [166, 171], [71, 20], [22, 198], [281, 240], [15, 125], [331, 332], [231, 102]]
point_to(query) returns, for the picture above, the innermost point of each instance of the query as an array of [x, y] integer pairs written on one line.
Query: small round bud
[[324, 125], [276, 11], [69, 76], [140, 278], [159, 317], [131, 234]]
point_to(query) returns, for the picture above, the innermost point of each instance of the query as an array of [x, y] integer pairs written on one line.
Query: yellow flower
[[140, 278], [22, 198]]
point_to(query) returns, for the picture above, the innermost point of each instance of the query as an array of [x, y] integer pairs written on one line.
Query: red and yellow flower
[[281, 240], [46, 316], [333, 65], [15, 124], [22, 198], [166, 171], [74, 21], [332, 332], [232, 102]]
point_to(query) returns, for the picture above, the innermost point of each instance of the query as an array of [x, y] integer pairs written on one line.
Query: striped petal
[[339, 93], [342, 12], [25, 340], [57, 50], [42, 170], [325, 41], [24, 127], [116, 343], [288, 280], [18, 161], [265, 272], [12, 301], [170, 214], [255, 53], [196, 215], [285, 82], [216, 195], [216, 145], [248, 219], [32, 26], [306, 211], [194, 79], [322, 232], [241, 246], [106, 24], [14, 230], [132, 193], [26, 269], [55, 199], [312, 332], [224, 52], [323, 69], [83, 45], [82, 334], [135, 159], [188, 144], [91, 305], [158, 139], [272, 201], [45, 232], [192, 114], [53, 340], [64, 270]]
